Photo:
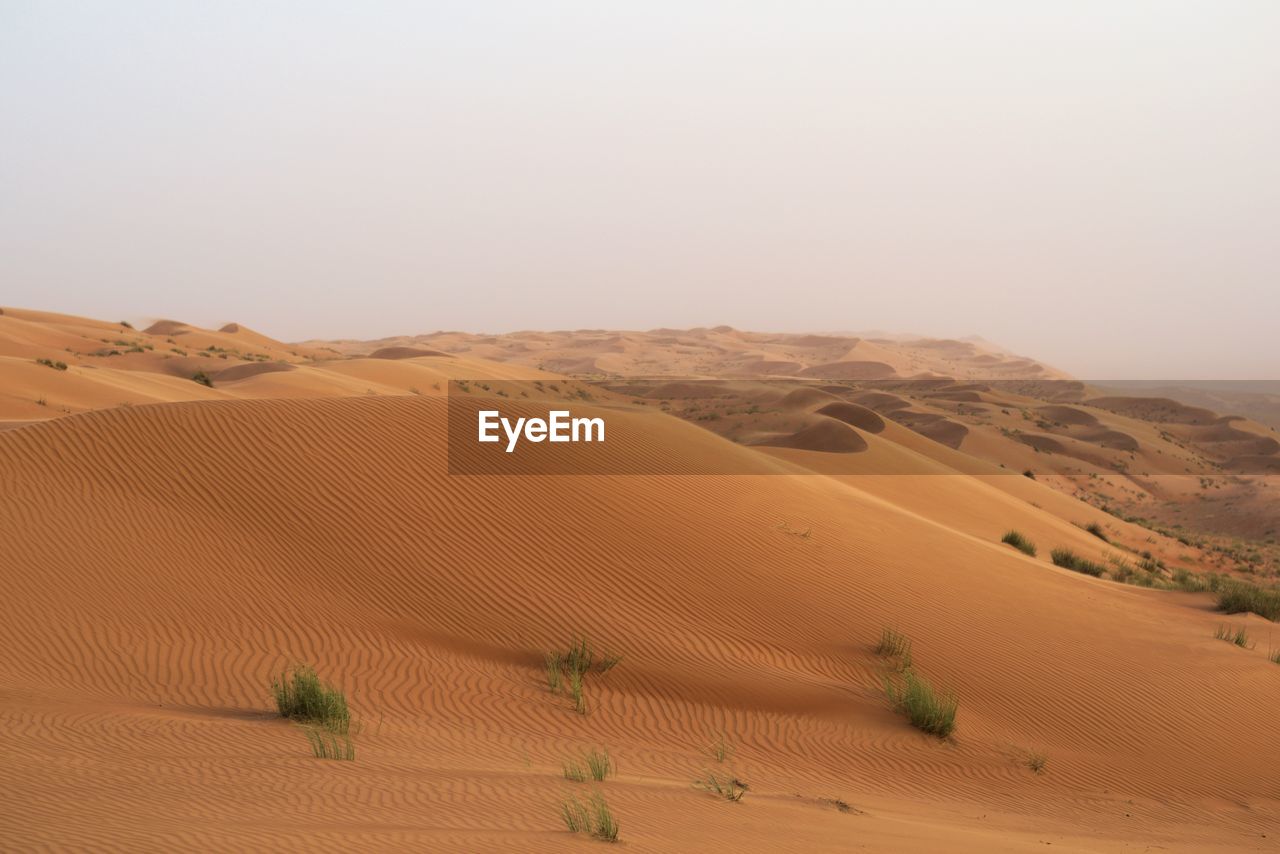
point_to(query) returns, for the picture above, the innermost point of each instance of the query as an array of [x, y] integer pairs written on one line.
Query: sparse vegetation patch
[[725, 786], [928, 709], [1237, 597], [566, 670], [1238, 636], [1096, 529], [1019, 542], [301, 696], [1068, 559], [592, 817], [330, 745]]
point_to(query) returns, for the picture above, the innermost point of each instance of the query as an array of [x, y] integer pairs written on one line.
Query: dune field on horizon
[[812, 592]]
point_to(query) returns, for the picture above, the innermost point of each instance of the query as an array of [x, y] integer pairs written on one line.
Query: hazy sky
[[1095, 184]]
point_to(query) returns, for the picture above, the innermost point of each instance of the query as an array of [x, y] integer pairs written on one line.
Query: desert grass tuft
[[554, 664], [1036, 762], [721, 749], [301, 696], [599, 764], [1238, 636], [579, 657], [594, 763], [928, 709], [330, 745], [1068, 559], [593, 817], [728, 787], [1236, 597], [566, 670], [1096, 529], [893, 644], [576, 692], [1019, 542]]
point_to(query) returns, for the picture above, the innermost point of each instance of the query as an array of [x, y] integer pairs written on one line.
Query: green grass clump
[[1068, 559], [202, 378], [1236, 597], [1020, 543], [330, 745], [566, 670], [596, 763], [893, 644], [554, 665], [576, 692], [49, 363], [301, 696], [729, 787], [599, 764], [1096, 529], [929, 710], [1238, 636], [593, 817]]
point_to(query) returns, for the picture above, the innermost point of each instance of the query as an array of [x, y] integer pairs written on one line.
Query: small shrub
[[1019, 542], [573, 771], [1029, 473], [202, 378], [1036, 762], [330, 745], [1238, 636], [1068, 559], [126, 324], [301, 696], [730, 788], [1236, 597], [50, 363], [929, 710]]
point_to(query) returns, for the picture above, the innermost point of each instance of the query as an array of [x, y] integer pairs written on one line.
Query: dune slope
[[163, 561]]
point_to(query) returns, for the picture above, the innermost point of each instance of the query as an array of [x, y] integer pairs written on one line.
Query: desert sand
[[169, 546]]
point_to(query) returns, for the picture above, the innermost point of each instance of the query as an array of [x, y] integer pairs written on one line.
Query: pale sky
[[1094, 184]]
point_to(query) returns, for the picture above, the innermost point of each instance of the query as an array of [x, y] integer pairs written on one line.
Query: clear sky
[[1095, 184]]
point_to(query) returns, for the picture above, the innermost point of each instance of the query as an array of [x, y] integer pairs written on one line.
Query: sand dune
[[298, 541], [164, 559]]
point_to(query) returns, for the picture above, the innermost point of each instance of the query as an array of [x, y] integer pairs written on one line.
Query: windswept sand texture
[[162, 561]]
